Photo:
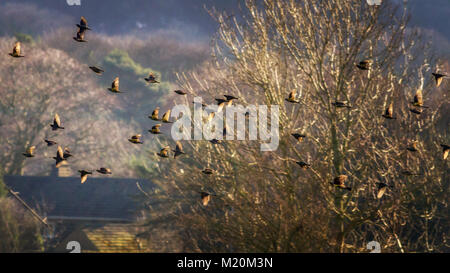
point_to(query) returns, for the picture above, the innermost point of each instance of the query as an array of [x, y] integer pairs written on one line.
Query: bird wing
[[80, 34], [179, 147], [418, 97], [166, 116], [56, 120], [30, 150], [83, 178], [115, 84], [438, 81], [292, 95], [83, 21], [205, 199], [59, 153], [381, 192], [155, 113], [390, 110], [16, 49]]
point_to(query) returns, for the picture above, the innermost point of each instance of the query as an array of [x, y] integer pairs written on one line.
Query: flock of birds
[[339, 181]]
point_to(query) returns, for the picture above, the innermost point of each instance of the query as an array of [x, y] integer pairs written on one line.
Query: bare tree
[[265, 201]]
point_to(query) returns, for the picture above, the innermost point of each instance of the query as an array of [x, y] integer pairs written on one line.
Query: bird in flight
[[389, 112], [215, 141], [164, 152], [83, 25], [16, 51], [208, 171], [299, 137], [205, 197], [178, 149], [166, 116], [115, 86], [151, 78], [438, 78], [155, 114], [136, 139], [382, 187], [84, 175], [155, 129], [291, 97], [303, 165], [97, 70], [30, 151], [59, 157], [56, 123], [180, 92], [364, 65], [418, 99], [103, 170], [445, 150], [339, 182], [340, 104]]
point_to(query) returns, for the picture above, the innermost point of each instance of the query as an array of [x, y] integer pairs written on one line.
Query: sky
[[189, 17]]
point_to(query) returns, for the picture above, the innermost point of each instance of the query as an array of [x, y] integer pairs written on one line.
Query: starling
[[97, 70], [84, 175], [80, 36], [50, 142], [205, 197], [215, 141], [208, 171], [299, 137], [438, 77], [382, 187], [165, 118], [151, 78], [115, 86], [56, 123], [178, 149], [418, 99], [164, 152], [339, 181], [340, 104], [389, 111], [291, 97], [136, 139], [103, 170], [445, 150], [364, 65], [155, 129], [83, 24], [59, 157], [180, 92], [16, 51], [155, 114], [303, 165], [30, 151], [413, 147]]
